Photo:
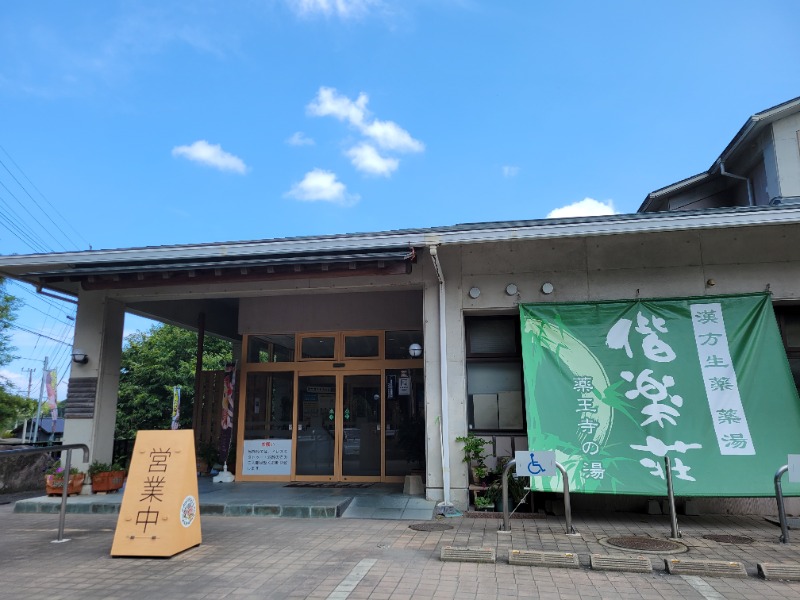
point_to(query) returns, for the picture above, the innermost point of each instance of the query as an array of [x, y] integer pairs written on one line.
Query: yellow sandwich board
[[160, 513]]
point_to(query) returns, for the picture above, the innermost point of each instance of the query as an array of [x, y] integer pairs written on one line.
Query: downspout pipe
[[445, 424], [722, 171]]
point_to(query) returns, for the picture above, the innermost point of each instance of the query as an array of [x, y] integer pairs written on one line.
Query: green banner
[[614, 387]]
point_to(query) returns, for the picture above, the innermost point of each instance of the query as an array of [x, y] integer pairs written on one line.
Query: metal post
[[673, 517], [506, 516], [779, 498], [64, 493], [567, 506], [63, 448]]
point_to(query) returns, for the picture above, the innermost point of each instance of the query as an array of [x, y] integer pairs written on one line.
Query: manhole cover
[[729, 539], [645, 544], [429, 526]]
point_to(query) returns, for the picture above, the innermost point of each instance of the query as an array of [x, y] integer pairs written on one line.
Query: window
[[270, 348], [789, 323], [495, 395]]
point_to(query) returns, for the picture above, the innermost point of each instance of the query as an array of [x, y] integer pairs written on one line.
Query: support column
[[91, 407]]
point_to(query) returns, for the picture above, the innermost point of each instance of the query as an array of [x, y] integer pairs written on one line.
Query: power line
[[45, 198], [38, 333]]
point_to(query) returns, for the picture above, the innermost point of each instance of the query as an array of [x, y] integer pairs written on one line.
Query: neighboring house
[[759, 167], [324, 327], [25, 431]]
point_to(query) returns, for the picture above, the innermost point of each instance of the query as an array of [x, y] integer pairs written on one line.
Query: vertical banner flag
[[176, 407], [225, 437], [52, 396], [614, 387]]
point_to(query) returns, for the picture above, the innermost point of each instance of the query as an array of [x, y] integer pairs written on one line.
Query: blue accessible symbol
[[534, 467]]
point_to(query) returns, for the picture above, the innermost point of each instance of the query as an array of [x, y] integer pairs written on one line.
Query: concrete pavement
[[250, 557]]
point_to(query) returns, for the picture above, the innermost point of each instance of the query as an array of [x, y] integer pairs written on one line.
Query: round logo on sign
[[188, 511]]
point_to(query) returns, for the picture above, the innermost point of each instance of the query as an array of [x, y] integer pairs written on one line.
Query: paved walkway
[[275, 499], [250, 557]]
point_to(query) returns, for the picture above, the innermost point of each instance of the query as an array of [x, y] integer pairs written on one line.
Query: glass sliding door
[[316, 425], [361, 425], [405, 421]]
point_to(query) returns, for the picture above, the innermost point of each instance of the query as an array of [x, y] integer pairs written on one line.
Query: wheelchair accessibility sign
[[535, 463]]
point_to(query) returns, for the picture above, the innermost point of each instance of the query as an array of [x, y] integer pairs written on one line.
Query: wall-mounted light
[[474, 292], [511, 289], [79, 356], [711, 283], [547, 287], [415, 350]]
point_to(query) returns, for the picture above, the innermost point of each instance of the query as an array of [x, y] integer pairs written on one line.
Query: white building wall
[[787, 151], [98, 332], [646, 265]]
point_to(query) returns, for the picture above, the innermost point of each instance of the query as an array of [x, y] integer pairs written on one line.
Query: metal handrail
[[68, 448], [779, 499], [567, 505]]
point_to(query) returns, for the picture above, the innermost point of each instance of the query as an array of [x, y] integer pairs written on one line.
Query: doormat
[[311, 484]]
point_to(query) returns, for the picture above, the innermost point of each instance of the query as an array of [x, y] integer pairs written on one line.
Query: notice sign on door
[[267, 457], [159, 515]]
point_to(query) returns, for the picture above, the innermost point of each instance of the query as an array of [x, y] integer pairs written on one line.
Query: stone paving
[[249, 557]]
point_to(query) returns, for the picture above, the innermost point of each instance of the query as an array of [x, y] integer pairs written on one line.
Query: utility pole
[[39, 405], [25, 424]]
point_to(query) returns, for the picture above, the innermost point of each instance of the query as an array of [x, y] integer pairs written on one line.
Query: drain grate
[[728, 539], [432, 526], [644, 543]]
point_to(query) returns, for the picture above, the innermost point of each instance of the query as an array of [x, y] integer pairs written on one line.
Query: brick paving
[[251, 557]]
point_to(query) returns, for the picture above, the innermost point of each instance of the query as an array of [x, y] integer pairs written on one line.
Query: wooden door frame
[[342, 366]]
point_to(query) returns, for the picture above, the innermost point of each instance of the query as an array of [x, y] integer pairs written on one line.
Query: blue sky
[[140, 123]]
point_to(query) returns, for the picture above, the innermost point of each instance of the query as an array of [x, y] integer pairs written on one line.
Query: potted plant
[[105, 477], [54, 480], [484, 503], [474, 457]]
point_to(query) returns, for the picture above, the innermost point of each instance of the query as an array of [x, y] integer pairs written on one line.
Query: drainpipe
[[445, 428], [722, 171]]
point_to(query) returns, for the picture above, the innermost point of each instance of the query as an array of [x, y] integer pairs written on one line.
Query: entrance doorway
[[339, 427], [331, 407]]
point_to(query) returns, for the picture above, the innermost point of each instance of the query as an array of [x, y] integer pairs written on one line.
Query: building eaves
[[315, 248]]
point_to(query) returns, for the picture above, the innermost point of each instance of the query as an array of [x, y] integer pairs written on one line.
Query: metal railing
[[781, 509], [67, 448], [567, 505]]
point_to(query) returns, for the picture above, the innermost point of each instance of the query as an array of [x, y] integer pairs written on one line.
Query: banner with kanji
[[614, 387]]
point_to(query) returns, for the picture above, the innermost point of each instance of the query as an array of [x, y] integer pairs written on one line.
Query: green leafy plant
[[483, 502], [100, 467], [474, 455], [516, 485], [58, 471]]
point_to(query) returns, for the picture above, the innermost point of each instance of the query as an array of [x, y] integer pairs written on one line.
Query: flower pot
[[54, 484], [107, 481]]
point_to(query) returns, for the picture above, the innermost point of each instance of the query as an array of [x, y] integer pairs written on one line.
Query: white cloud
[[329, 103], [17, 380], [391, 136], [299, 138], [322, 186], [386, 134], [588, 207], [344, 9], [212, 155], [510, 171], [366, 158]]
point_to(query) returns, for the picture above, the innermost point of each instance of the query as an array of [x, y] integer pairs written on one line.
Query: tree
[[8, 314], [12, 406], [155, 361]]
